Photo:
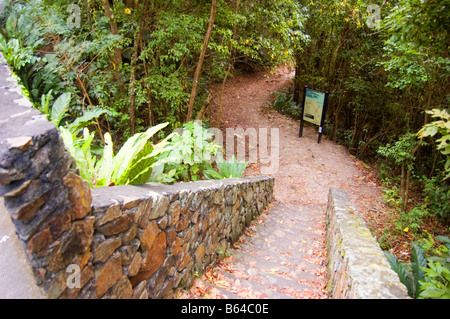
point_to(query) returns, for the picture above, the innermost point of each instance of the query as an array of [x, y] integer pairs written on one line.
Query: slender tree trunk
[[88, 13], [132, 86], [200, 61], [137, 42], [402, 184], [117, 56]]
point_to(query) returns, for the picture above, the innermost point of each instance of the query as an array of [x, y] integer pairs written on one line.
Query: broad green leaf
[[60, 107], [232, 168], [402, 272], [75, 151], [418, 261], [85, 120], [433, 293], [124, 158], [212, 174]]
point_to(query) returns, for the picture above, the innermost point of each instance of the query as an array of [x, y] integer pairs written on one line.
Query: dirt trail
[[282, 254], [306, 169]]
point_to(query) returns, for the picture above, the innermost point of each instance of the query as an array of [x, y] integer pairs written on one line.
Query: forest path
[[282, 254]]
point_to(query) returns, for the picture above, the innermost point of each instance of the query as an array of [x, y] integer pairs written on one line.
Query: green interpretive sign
[[314, 104], [314, 109]]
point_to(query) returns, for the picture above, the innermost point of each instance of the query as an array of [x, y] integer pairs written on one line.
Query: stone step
[[298, 261], [289, 225], [272, 275], [213, 291], [250, 289], [280, 240]]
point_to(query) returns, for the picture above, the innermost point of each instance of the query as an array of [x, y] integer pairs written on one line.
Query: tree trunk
[[200, 61], [117, 57], [402, 185], [132, 86], [137, 42]]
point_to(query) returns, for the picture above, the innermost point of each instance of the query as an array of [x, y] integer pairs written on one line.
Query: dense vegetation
[[117, 75]]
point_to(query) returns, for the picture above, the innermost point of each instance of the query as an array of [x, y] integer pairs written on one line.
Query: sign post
[[314, 109]]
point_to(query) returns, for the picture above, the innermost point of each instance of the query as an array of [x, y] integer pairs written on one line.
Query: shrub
[[425, 277], [285, 105]]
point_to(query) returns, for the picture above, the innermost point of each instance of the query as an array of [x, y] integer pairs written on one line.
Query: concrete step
[[272, 275], [247, 288]]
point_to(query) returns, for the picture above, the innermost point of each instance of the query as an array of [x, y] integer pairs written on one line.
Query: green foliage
[[437, 282], [437, 196], [285, 104], [60, 108], [105, 58], [425, 277], [391, 196], [410, 274], [227, 169], [131, 165], [190, 152], [413, 219], [401, 151], [232, 168], [415, 42], [440, 126]]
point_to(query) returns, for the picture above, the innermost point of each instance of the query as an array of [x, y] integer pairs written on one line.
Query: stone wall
[[155, 238], [116, 242], [357, 267]]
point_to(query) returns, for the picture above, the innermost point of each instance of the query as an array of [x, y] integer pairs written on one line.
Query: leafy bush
[[410, 274], [437, 196], [440, 126], [425, 277], [188, 155], [131, 165], [285, 105], [229, 169], [232, 168]]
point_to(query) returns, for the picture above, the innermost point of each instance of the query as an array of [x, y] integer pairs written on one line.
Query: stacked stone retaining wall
[[357, 267]]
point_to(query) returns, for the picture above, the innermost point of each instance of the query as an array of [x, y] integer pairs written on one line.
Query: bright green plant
[[229, 169], [413, 219], [59, 108], [437, 196], [285, 105], [410, 274], [189, 154], [402, 153], [131, 165], [437, 282], [440, 126], [232, 168], [425, 277]]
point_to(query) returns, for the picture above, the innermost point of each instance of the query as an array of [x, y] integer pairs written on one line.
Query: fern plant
[[410, 274], [131, 165], [424, 277], [229, 169]]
